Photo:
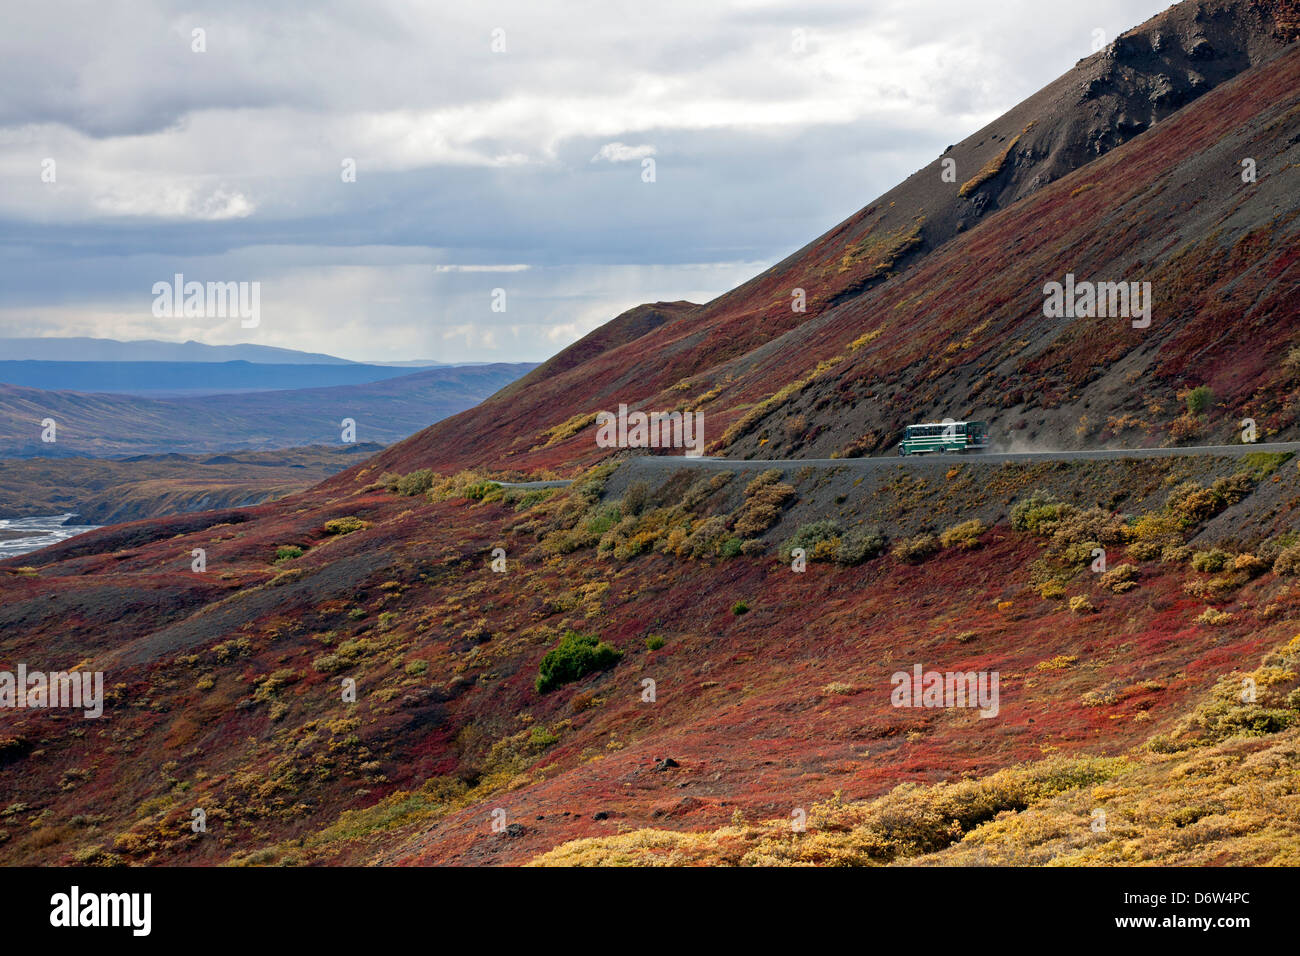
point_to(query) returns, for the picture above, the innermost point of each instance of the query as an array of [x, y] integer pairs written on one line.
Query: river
[[37, 533]]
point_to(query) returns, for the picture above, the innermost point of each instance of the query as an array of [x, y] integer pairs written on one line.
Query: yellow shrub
[[1155, 526], [1051, 590], [1059, 662], [965, 535], [1213, 617]]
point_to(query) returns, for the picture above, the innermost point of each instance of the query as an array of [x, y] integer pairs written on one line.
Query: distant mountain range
[[151, 350], [84, 349], [173, 369], [105, 425], [159, 379]]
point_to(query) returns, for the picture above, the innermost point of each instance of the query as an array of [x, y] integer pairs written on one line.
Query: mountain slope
[[858, 278]]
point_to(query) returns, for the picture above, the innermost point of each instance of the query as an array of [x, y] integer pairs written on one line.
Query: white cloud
[[378, 303], [515, 267], [620, 153], [173, 201]]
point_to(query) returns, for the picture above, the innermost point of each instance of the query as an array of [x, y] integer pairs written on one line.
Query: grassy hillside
[[226, 685]]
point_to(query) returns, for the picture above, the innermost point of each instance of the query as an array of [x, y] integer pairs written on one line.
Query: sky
[[477, 181]]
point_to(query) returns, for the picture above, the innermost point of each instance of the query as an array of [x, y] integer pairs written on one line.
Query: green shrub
[[1199, 399], [287, 552], [523, 500], [707, 538], [1210, 561], [635, 498], [330, 663], [915, 550], [730, 548], [1249, 721], [703, 489], [1078, 554], [576, 656], [1194, 504], [860, 544], [654, 642], [1292, 360], [1158, 526], [1271, 548], [1264, 463], [739, 608], [539, 738], [632, 536], [1144, 550], [809, 536], [416, 483], [229, 650], [484, 491], [1213, 617], [600, 522], [1051, 590], [1038, 513]]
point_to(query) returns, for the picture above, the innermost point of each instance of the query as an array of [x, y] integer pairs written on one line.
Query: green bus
[[943, 437]]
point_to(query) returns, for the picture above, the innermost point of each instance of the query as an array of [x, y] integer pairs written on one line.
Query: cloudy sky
[[496, 145]]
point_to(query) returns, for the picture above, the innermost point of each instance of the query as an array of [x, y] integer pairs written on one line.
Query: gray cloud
[[227, 163]]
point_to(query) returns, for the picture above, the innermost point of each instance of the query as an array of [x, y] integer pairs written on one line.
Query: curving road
[[884, 461], [661, 462], [561, 483]]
